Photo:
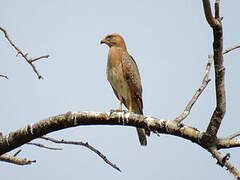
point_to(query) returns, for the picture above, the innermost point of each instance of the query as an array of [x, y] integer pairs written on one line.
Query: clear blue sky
[[170, 41]]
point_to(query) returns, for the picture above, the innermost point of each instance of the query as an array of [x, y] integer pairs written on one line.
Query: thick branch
[[72, 119], [220, 109], [24, 55]]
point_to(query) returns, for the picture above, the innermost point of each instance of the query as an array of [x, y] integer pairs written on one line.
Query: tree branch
[[231, 49], [15, 160], [226, 143], [208, 14], [43, 146], [24, 55], [85, 144], [220, 109], [236, 134], [223, 161], [72, 119], [199, 91]]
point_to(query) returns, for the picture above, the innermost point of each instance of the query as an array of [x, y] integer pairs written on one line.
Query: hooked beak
[[103, 41]]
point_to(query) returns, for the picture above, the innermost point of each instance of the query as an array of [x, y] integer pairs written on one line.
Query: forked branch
[[24, 55]]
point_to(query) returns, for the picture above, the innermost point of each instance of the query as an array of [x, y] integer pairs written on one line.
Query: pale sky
[[169, 40]]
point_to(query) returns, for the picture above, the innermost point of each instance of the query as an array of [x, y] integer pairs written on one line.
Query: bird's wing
[[132, 76]]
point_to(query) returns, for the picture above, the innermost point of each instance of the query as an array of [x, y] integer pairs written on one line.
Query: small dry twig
[[231, 49], [43, 146], [85, 144], [234, 135], [24, 55], [16, 153]]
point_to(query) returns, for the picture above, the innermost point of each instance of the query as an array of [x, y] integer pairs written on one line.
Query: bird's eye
[[109, 37]]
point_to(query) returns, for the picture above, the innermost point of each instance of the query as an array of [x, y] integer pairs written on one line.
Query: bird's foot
[[117, 110]]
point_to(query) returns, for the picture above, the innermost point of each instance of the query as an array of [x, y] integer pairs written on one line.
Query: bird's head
[[114, 40]]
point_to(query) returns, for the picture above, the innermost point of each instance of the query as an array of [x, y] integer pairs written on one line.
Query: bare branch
[[38, 58], [217, 9], [236, 134], [199, 91], [223, 161], [1, 75], [208, 14], [225, 143], [231, 49], [16, 153], [85, 144], [220, 109], [24, 55], [43, 146], [15, 160], [72, 119]]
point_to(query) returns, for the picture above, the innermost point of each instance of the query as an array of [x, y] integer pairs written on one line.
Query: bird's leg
[[119, 109]]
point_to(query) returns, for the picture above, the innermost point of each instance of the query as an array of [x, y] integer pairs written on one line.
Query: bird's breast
[[115, 75]]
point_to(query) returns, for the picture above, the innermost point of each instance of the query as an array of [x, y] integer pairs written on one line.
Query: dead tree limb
[[43, 146], [210, 136], [72, 119], [220, 109], [24, 55], [15, 160], [85, 144], [231, 49]]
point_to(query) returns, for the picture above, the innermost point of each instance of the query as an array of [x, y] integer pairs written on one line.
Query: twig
[[16, 153], [41, 57], [85, 144], [236, 134], [231, 49], [223, 161], [24, 55], [43, 146], [199, 91], [15, 160], [1, 75]]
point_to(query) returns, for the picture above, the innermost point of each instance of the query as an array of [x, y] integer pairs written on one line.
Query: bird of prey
[[124, 77]]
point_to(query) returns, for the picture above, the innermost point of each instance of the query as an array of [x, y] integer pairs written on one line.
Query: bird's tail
[[142, 136], [138, 108]]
